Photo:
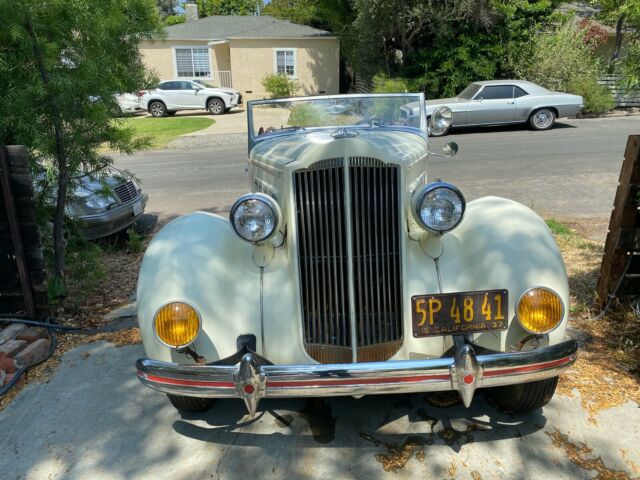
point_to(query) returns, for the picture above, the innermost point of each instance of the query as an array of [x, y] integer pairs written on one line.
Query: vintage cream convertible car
[[348, 271]]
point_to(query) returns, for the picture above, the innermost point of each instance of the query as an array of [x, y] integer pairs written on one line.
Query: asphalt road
[[568, 172]]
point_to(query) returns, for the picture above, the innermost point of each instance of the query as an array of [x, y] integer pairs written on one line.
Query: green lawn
[[162, 130]]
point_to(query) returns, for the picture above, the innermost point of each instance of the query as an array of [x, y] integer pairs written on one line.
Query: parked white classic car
[[498, 102], [174, 95], [347, 271]]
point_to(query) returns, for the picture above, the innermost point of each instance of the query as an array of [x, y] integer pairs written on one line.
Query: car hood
[[444, 101], [97, 182], [227, 91]]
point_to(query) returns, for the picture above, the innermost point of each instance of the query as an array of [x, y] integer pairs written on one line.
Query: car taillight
[[141, 93]]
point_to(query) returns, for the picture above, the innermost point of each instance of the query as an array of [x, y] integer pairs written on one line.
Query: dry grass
[[580, 455], [87, 309], [606, 372]]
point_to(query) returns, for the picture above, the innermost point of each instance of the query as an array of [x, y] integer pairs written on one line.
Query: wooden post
[[16, 234], [623, 239]]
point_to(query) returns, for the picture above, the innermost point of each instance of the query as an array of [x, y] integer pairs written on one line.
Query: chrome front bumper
[[464, 372]]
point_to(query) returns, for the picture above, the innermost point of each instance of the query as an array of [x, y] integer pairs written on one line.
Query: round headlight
[[439, 207], [440, 120], [539, 310], [177, 324], [254, 217]]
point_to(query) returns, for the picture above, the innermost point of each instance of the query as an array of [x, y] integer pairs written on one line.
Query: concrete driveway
[[94, 420]]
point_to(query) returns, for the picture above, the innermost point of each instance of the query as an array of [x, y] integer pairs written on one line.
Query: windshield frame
[[418, 97]]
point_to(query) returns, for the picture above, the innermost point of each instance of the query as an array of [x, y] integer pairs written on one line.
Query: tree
[[304, 12], [167, 7], [624, 15], [564, 59], [206, 8], [61, 63]]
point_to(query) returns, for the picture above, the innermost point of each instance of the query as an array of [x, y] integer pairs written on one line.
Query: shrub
[[597, 98], [280, 86], [174, 20], [564, 60], [384, 84], [135, 242]]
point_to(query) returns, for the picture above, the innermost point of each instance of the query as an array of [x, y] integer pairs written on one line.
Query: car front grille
[[348, 240], [126, 192]]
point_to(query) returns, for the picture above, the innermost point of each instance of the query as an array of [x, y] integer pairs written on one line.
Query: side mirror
[[440, 121], [450, 149]]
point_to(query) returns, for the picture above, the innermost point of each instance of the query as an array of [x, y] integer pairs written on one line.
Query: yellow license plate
[[460, 312]]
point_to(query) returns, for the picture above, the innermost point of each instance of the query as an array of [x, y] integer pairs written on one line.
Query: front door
[[492, 104]]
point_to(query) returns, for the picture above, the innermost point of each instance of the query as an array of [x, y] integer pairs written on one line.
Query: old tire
[[171, 113], [191, 404], [542, 119], [157, 109], [216, 106], [523, 397]]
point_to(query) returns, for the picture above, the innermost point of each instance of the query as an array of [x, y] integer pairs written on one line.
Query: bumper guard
[[251, 381]]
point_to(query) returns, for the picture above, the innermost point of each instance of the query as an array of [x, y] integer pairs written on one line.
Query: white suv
[[173, 95]]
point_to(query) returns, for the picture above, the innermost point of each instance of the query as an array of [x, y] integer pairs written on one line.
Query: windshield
[[204, 84], [470, 91], [272, 116]]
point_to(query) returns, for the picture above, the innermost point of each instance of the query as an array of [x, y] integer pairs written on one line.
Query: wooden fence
[[23, 279], [621, 259], [623, 96]]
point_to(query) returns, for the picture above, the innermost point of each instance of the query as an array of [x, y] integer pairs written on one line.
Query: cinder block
[[11, 347], [34, 353], [9, 377], [11, 331], [32, 334], [7, 364]]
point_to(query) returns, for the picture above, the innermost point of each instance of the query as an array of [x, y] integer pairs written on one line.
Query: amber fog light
[[177, 324], [539, 310]]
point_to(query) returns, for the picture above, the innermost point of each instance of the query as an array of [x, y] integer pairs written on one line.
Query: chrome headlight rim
[[419, 197], [548, 289], [195, 337], [264, 198]]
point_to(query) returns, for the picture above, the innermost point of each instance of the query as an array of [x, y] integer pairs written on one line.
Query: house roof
[[223, 27]]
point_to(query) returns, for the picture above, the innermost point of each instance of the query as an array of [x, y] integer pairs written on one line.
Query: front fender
[[503, 244], [197, 258]]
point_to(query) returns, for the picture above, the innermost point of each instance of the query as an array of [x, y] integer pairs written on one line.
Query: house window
[[192, 62], [285, 62]]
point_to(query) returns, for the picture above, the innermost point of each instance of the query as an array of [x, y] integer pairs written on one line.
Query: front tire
[[216, 106], [523, 397], [157, 109], [191, 404], [542, 119]]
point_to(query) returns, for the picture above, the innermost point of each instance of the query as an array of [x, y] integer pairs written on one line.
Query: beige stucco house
[[238, 51]]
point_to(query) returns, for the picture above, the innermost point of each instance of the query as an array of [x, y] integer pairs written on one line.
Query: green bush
[[135, 242], [563, 60], [384, 84], [174, 20], [280, 86], [597, 98]]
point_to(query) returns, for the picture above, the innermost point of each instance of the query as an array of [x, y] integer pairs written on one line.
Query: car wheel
[[523, 397], [171, 113], [542, 119], [157, 109], [191, 404], [215, 106]]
